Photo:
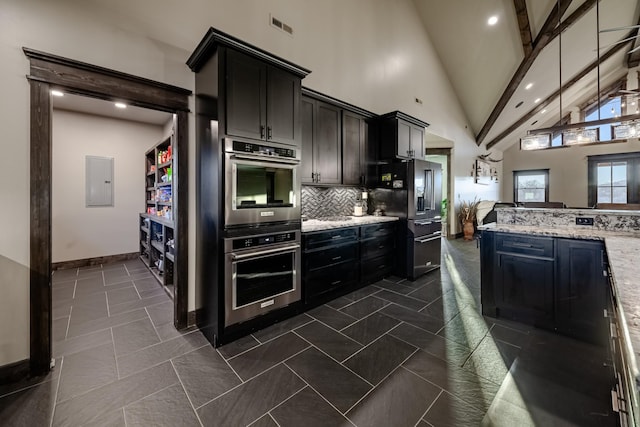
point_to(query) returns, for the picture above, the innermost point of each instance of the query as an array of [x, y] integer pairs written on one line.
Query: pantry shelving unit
[[156, 223]]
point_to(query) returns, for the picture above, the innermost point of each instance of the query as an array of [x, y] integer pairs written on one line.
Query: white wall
[[371, 53], [78, 231], [567, 169]]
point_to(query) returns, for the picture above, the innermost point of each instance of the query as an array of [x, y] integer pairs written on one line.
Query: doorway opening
[[49, 72]]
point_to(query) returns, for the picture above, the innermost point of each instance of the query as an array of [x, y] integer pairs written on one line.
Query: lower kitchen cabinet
[[552, 283], [340, 260], [581, 290]]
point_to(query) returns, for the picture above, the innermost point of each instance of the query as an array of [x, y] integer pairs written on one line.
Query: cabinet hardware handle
[[261, 131], [337, 282], [381, 247], [336, 258], [336, 237], [319, 176], [268, 132], [614, 401]]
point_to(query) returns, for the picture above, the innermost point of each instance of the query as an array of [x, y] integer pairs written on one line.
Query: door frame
[[445, 152], [47, 72]]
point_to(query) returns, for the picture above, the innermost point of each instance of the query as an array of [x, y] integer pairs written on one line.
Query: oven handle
[[237, 257], [269, 159], [430, 238]]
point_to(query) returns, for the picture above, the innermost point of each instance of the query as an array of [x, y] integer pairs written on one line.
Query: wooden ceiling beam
[[549, 31], [633, 59], [542, 105], [523, 24]]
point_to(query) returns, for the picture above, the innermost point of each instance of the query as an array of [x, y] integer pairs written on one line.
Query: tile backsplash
[[319, 202]]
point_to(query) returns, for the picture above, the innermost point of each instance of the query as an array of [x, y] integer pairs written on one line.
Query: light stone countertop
[[354, 221], [623, 252]]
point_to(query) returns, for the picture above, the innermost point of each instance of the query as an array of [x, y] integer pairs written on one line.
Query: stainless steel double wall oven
[[262, 256]]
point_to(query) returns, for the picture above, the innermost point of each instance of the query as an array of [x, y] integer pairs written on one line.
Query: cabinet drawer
[[330, 237], [525, 245], [330, 278], [377, 247], [331, 255], [376, 268], [377, 230]]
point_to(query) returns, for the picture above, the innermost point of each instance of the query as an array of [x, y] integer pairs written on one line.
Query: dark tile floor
[[396, 353]]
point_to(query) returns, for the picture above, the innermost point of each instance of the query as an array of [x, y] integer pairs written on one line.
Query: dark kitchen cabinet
[[377, 251], [321, 143], [553, 283], [401, 136], [581, 291], [356, 156], [263, 101], [330, 260]]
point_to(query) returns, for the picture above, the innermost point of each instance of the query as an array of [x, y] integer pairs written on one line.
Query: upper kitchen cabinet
[[262, 101], [358, 150], [401, 136], [321, 143]]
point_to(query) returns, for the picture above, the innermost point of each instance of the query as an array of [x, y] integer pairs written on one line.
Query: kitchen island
[[535, 238]]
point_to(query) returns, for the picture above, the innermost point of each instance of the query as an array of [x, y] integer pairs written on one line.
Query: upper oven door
[[260, 190]]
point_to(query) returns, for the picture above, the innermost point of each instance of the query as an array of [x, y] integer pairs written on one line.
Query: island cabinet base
[[551, 283]]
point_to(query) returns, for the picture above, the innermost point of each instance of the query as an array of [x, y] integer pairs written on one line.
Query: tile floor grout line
[[107, 327], [229, 364], [66, 332], [429, 408], [124, 416], [239, 385], [153, 326], [283, 402], [184, 389], [115, 354], [268, 341], [318, 393], [338, 331], [55, 397]]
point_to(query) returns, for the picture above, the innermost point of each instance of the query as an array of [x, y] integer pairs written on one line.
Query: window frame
[[633, 175], [530, 172]]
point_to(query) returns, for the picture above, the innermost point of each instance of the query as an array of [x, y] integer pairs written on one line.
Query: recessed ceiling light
[[543, 111], [537, 100], [528, 86], [57, 93], [120, 105], [493, 20]]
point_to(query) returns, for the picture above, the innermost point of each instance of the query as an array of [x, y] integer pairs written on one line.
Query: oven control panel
[[263, 240], [264, 150]]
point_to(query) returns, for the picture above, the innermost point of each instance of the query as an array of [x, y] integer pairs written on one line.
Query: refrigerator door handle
[[435, 236]]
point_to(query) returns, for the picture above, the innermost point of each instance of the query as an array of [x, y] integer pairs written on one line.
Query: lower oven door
[[258, 281], [426, 254]]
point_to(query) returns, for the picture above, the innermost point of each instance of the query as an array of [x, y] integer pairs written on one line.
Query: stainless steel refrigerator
[[412, 190]]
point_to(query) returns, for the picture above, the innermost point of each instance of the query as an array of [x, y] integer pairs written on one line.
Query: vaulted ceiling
[[491, 66]]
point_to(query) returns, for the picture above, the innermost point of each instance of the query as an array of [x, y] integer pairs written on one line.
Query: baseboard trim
[[14, 372], [194, 317], [87, 262]]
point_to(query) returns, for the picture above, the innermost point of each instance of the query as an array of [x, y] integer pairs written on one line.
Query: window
[[609, 109], [611, 182], [614, 178], [531, 186]]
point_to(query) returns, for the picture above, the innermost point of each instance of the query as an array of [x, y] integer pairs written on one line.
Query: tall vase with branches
[[467, 215]]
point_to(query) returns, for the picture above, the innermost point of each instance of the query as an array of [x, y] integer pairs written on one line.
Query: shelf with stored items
[[157, 248], [159, 179]]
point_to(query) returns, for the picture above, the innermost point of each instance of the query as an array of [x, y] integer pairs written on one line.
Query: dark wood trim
[[98, 82], [633, 59], [181, 218], [334, 101], [214, 38], [523, 25], [87, 262], [40, 238], [445, 152], [543, 104], [14, 372], [407, 118], [549, 31], [47, 71]]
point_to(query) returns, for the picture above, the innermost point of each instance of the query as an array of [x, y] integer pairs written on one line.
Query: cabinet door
[[581, 294], [327, 144], [417, 142], [246, 96], [403, 143], [353, 149], [283, 101], [524, 288], [307, 116]]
